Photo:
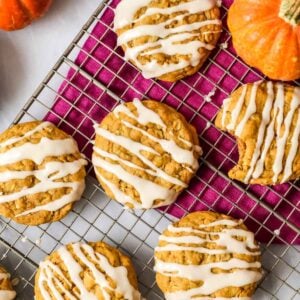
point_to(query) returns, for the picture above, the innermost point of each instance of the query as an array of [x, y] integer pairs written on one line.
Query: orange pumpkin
[[17, 14], [266, 35]]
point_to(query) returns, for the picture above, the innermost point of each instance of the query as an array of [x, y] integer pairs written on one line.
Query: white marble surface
[[27, 55]]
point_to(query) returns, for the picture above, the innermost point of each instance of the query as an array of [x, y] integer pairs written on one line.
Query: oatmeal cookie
[[207, 255], [145, 154], [41, 173], [6, 289], [168, 39], [265, 119], [86, 271]]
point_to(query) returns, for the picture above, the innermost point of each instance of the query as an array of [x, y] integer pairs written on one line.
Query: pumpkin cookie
[[168, 39], [265, 119], [206, 255], [145, 154], [6, 290], [41, 173], [86, 271]]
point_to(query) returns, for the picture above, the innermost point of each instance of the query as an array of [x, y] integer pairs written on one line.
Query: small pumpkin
[[266, 35], [17, 14]]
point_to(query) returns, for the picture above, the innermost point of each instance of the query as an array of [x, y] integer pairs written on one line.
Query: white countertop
[[26, 56]]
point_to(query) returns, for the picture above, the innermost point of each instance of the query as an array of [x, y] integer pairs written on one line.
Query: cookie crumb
[[24, 239], [38, 242], [208, 124], [224, 45], [15, 281], [207, 98], [277, 232]]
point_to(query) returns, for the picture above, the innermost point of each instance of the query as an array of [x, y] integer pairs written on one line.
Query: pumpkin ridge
[[25, 9], [282, 34], [266, 20], [246, 31]]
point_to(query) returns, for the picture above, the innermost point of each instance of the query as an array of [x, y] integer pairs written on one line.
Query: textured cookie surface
[[41, 173], [94, 271], [206, 255], [265, 119], [167, 39], [6, 290], [145, 154]]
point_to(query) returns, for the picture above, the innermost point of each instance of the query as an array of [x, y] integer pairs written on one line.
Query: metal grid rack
[[95, 217]]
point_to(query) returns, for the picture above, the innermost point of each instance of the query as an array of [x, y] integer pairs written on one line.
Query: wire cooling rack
[[96, 217]]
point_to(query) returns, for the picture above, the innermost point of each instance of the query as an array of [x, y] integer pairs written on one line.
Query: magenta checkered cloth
[[82, 102]]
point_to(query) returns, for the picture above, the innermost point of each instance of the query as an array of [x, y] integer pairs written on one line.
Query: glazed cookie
[[168, 39], [145, 154], [86, 271], [6, 290], [207, 255], [41, 173], [265, 119]]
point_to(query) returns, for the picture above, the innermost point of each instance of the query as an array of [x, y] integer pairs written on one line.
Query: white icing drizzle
[[47, 176], [127, 12], [148, 190], [155, 171], [278, 117], [282, 141], [38, 152], [266, 116], [225, 239], [237, 110], [212, 282], [118, 194], [179, 154], [26, 135], [6, 294], [270, 127], [251, 109], [4, 276], [144, 114], [226, 104], [177, 40], [50, 274], [293, 150]]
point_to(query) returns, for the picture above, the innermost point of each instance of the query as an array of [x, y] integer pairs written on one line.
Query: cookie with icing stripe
[[207, 255], [41, 173], [6, 289], [265, 119], [168, 39], [94, 271], [145, 154]]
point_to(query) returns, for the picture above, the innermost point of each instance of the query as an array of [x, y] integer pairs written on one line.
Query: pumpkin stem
[[290, 11]]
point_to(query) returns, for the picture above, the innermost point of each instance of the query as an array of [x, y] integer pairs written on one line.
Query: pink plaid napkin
[[81, 102]]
